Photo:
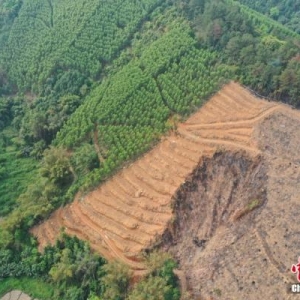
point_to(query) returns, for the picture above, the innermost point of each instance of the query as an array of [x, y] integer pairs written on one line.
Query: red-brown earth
[[221, 194]]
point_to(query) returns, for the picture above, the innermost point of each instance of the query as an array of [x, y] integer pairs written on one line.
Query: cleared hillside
[[236, 233], [221, 194], [128, 212]]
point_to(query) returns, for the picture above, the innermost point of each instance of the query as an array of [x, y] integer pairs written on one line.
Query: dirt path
[[16, 295], [127, 213]]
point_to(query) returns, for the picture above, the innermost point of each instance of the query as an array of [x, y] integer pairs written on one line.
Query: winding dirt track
[[127, 213]]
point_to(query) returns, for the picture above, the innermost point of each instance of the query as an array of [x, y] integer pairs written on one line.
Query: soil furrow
[[239, 123], [142, 186], [233, 100], [126, 187], [190, 148], [230, 112], [140, 201], [160, 186], [168, 175], [243, 96], [167, 163], [147, 168], [182, 153], [239, 139], [118, 254], [183, 163], [140, 215], [219, 142], [268, 252], [105, 224], [247, 130], [233, 104]]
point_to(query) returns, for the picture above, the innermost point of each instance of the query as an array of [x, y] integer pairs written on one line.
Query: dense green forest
[[286, 12], [87, 86]]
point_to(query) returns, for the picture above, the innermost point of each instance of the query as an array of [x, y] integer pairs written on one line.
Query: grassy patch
[[218, 292], [253, 204], [33, 287], [16, 173]]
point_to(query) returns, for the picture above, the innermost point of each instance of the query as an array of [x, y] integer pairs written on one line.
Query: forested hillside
[[286, 12], [88, 86], [51, 41]]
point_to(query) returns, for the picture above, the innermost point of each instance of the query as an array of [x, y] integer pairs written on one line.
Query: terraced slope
[[128, 212]]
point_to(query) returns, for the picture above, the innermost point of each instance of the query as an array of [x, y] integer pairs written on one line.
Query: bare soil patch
[[236, 233], [16, 295], [229, 177], [215, 208]]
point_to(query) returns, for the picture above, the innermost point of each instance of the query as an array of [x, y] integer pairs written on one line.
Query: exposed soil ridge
[[217, 204]]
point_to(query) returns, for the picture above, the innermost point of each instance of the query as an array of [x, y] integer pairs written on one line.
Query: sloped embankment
[[236, 229], [213, 209]]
